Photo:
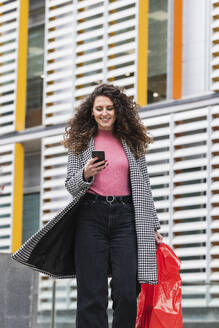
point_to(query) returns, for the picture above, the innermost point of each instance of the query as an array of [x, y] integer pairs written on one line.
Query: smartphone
[[100, 154]]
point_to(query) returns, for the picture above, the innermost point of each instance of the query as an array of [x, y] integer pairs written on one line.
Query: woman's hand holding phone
[[92, 169]]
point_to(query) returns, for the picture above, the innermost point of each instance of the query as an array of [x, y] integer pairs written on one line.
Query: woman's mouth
[[105, 119]]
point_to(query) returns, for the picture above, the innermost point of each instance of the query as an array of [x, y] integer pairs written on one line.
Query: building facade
[[165, 53]]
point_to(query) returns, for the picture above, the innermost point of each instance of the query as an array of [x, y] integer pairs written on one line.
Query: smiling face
[[104, 112]]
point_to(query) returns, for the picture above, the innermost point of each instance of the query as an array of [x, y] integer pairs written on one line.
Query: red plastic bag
[[159, 306]]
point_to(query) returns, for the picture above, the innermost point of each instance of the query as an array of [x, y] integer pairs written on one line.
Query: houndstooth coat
[[51, 249]]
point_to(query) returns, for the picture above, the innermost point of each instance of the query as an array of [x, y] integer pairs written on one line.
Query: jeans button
[[110, 199]]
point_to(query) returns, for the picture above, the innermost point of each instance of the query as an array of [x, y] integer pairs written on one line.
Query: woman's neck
[[100, 131]]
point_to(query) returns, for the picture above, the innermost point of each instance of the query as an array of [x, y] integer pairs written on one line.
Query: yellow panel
[[142, 75], [22, 66], [18, 197]]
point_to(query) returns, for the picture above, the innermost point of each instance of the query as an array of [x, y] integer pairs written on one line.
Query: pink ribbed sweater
[[114, 179]]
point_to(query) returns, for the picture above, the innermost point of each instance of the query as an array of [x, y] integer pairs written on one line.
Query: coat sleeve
[[74, 181], [144, 170]]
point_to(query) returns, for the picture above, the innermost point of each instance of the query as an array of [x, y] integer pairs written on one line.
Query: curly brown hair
[[128, 125]]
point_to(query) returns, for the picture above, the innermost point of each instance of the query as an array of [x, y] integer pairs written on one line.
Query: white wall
[[195, 47]]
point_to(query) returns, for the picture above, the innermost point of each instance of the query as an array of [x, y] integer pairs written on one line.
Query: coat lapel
[[87, 153], [136, 176], [135, 171]]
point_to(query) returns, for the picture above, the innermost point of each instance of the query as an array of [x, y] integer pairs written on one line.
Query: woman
[[110, 226]]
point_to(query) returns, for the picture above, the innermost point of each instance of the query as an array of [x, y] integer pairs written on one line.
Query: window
[[157, 50], [31, 207], [35, 65]]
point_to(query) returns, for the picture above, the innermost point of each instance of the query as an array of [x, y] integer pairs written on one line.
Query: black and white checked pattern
[[146, 219]]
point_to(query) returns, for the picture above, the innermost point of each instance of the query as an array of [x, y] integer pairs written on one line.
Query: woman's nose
[[105, 111]]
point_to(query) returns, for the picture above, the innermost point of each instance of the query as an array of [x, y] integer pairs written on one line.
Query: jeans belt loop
[[110, 201]]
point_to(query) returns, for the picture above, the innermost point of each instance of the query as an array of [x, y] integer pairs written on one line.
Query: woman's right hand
[[92, 169]]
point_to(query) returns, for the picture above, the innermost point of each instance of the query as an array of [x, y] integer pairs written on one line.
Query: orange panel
[[177, 48]]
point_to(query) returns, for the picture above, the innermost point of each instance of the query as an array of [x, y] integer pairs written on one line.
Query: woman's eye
[[110, 108]]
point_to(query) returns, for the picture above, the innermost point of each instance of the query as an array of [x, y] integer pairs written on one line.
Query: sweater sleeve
[[144, 170], [74, 181]]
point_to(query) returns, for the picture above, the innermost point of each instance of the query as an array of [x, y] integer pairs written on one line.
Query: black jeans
[[106, 236]]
